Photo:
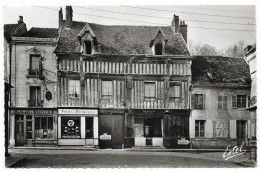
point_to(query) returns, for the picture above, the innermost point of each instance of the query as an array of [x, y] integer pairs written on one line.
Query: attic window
[[158, 49], [88, 47]]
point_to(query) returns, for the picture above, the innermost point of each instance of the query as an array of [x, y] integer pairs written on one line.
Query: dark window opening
[[241, 101], [158, 49], [198, 103], [148, 127], [44, 128], [88, 47]]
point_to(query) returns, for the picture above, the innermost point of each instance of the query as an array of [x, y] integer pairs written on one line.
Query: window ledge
[[32, 76]]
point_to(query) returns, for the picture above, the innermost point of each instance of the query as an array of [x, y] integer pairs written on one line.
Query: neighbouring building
[[220, 96], [9, 31], [33, 107], [250, 58]]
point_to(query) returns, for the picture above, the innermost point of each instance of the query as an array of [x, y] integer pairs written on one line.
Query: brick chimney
[[60, 17], [69, 14], [184, 30], [20, 19], [175, 24]]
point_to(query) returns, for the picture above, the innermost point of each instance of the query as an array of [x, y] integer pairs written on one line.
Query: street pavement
[[111, 158]]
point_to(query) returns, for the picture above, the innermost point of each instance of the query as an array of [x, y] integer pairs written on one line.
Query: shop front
[[161, 128], [78, 127], [33, 127]]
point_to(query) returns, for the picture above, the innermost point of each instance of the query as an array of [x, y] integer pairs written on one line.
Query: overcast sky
[[160, 15]]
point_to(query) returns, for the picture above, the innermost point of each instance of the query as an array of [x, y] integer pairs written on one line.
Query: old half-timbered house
[[220, 94], [33, 111], [122, 86]]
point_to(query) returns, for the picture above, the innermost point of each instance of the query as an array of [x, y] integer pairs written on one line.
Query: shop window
[[89, 127], [239, 101], [175, 91], [44, 128], [152, 127], [149, 91], [34, 67], [139, 126], [88, 47], [70, 127], [222, 102], [35, 96], [198, 101], [158, 49], [221, 129], [74, 88], [176, 126], [28, 127], [200, 128]]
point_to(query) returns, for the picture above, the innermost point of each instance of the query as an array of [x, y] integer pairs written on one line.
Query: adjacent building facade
[[86, 84]]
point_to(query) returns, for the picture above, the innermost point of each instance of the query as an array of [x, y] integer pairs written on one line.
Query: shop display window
[[29, 127], [70, 127], [44, 128]]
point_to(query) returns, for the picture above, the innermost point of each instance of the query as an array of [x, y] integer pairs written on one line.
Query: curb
[[176, 150]]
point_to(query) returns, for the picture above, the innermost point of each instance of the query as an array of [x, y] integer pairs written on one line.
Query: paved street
[[36, 158]]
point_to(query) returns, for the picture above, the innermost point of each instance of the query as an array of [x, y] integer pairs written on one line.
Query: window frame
[[36, 72], [37, 98], [196, 101], [70, 96], [155, 93], [222, 102], [199, 127], [90, 46], [79, 127], [175, 83], [156, 48]]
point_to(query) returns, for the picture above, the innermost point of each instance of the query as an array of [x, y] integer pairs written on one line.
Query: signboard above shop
[[91, 112]]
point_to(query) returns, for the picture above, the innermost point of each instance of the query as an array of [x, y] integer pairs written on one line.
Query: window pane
[[107, 88], [70, 127], [50, 123], [198, 101], [149, 89], [74, 88], [225, 106], [44, 128]]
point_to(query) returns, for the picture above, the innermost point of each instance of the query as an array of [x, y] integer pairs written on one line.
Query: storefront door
[[241, 132], [19, 131]]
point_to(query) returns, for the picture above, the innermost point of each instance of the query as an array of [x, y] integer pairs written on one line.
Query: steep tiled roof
[[122, 40], [41, 33], [220, 71], [11, 28]]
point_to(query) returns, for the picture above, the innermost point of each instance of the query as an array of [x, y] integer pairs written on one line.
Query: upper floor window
[[34, 68], [107, 91], [88, 47], [150, 91], [35, 96], [239, 101], [197, 101], [222, 102], [158, 49], [175, 91], [74, 88]]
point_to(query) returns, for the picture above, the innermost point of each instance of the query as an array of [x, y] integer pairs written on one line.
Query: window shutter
[[192, 101], [248, 101], [204, 101], [234, 102]]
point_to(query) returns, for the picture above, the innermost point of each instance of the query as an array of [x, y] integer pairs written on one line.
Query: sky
[[218, 17]]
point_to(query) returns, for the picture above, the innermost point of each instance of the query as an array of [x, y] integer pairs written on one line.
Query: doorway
[[241, 132], [19, 131]]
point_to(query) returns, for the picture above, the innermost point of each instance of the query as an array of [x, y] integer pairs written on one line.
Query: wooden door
[[19, 130], [117, 131], [241, 132]]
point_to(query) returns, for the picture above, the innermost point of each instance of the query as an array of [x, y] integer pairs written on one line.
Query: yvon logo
[[233, 152]]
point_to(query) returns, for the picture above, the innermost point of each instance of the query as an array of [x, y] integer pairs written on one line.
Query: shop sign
[[33, 111], [183, 142], [105, 136], [78, 111]]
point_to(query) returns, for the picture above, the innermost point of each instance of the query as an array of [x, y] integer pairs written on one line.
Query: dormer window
[[88, 47], [158, 49]]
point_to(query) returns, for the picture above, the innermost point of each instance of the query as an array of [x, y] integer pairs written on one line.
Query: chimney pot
[[20, 19]]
